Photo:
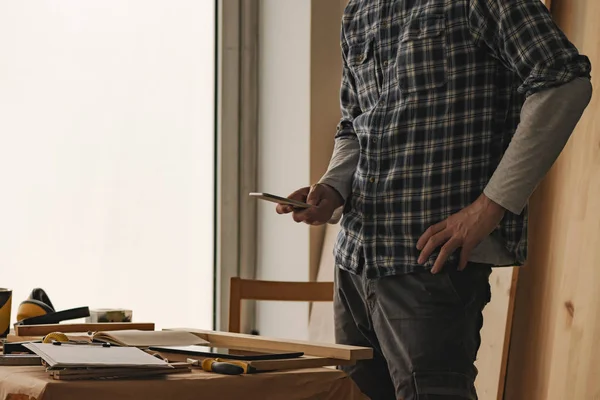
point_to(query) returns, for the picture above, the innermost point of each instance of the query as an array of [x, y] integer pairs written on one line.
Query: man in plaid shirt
[[452, 113]]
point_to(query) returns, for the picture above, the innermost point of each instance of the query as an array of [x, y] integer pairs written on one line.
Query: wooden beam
[[242, 341], [44, 329]]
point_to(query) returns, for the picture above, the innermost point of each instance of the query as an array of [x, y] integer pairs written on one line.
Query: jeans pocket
[[471, 285]]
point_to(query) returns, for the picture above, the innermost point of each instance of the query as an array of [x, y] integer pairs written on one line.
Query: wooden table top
[[34, 383]]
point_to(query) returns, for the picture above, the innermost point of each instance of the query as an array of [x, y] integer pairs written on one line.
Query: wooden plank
[[554, 347], [325, 76], [20, 359], [298, 363], [497, 317], [40, 330], [240, 341], [271, 365], [320, 326], [508, 333]]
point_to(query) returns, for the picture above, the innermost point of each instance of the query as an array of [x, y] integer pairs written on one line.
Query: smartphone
[[280, 200], [233, 354]]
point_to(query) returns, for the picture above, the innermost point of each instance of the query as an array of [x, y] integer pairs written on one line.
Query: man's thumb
[[314, 196]]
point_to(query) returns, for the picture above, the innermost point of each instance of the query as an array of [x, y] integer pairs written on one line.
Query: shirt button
[[385, 63], [374, 140], [371, 179]]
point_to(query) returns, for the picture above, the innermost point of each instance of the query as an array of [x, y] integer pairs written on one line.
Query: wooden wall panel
[[325, 80], [556, 327], [495, 334]]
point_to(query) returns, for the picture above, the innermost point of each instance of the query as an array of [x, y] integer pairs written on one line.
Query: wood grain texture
[[320, 326], [44, 329], [554, 345], [497, 322], [325, 79], [249, 342], [268, 365], [297, 363]]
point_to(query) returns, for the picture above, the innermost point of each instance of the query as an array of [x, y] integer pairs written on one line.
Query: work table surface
[[34, 383]]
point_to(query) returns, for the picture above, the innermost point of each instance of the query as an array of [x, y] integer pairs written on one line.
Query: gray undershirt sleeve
[[547, 121], [342, 166], [341, 170]]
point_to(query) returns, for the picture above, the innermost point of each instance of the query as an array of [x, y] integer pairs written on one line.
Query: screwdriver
[[227, 367]]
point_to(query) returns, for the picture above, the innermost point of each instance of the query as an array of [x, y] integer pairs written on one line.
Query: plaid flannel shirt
[[432, 91]]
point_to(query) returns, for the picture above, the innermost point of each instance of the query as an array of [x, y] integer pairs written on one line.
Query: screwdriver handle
[[228, 367]]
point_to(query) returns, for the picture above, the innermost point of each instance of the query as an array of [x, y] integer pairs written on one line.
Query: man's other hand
[[324, 201], [465, 230]]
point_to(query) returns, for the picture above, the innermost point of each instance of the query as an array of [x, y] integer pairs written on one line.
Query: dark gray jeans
[[424, 328]]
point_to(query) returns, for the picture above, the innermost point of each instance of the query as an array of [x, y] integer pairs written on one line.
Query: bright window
[[107, 155]]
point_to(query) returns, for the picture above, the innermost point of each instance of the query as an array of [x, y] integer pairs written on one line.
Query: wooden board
[[243, 341], [272, 365], [40, 330], [20, 359], [11, 338], [495, 334], [297, 363], [320, 327], [555, 347]]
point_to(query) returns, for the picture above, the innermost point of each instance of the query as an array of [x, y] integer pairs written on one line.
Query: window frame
[[236, 136]]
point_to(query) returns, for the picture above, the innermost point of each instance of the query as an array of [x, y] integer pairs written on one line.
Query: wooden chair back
[[250, 289]]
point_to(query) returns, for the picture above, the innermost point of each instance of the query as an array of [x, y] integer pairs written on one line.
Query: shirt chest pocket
[[421, 62], [361, 62]]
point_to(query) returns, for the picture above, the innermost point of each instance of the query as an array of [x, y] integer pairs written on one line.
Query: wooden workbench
[[34, 383]]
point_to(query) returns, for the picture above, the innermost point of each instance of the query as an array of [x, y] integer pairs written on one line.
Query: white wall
[[284, 141], [106, 155]]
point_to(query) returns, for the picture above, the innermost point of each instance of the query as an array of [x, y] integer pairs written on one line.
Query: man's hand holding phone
[[324, 200]]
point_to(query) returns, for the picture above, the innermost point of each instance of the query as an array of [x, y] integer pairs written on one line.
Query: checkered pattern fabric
[[432, 91]]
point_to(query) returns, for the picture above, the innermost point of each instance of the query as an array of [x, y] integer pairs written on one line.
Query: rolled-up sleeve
[[523, 36], [554, 76]]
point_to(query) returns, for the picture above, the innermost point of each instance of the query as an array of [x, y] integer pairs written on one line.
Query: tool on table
[[38, 309], [58, 338], [227, 367]]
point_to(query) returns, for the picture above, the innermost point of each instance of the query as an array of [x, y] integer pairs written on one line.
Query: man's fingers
[[299, 216], [317, 215], [434, 242], [315, 195], [432, 230], [300, 194], [450, 246], [283, 209]]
